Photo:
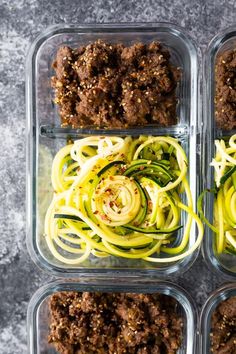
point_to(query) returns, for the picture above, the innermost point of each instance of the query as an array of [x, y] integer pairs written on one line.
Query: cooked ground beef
[[223, 335], [225, 92], [114, 323], [110, 85]]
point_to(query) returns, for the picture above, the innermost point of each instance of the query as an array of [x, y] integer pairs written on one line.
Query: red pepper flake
[[123, 169], [104, 217]]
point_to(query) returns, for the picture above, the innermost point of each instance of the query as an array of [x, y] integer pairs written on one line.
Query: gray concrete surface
[[20, 22]]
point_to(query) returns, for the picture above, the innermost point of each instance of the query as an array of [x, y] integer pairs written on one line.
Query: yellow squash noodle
[[121, 197], [224, 165]]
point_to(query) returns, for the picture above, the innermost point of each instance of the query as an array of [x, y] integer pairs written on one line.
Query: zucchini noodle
[[120, 197], [224, 223]]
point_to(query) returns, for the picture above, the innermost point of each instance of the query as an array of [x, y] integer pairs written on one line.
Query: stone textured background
[[20, 22]]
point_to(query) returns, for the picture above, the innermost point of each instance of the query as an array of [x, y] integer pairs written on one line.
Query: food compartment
[[216, 251], [46, 136], [208, 329], [38, 311], [43, 51], [42, 193]]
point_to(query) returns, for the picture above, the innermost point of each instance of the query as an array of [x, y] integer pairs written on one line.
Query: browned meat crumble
[[223, 335], [225, 92], [114, 323], [110, 85]]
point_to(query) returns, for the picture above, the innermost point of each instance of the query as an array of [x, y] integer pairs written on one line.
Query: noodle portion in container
[[224, 225], [122, 197]]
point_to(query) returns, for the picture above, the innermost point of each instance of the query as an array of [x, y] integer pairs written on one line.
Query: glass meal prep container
[[38, 309], [46, 136], [223, 263], [224, 292]]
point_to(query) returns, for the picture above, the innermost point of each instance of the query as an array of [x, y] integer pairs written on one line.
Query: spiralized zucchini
[[121, 197], [224, 226]]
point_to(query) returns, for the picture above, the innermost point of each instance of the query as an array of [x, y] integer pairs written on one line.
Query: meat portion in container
[[110, 85], [225, 91], [223, 328], [114, 323]]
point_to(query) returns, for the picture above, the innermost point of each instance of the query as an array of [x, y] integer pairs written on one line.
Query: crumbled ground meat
[[114, 323], [223, 335], [225, 92], [110, 85]]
